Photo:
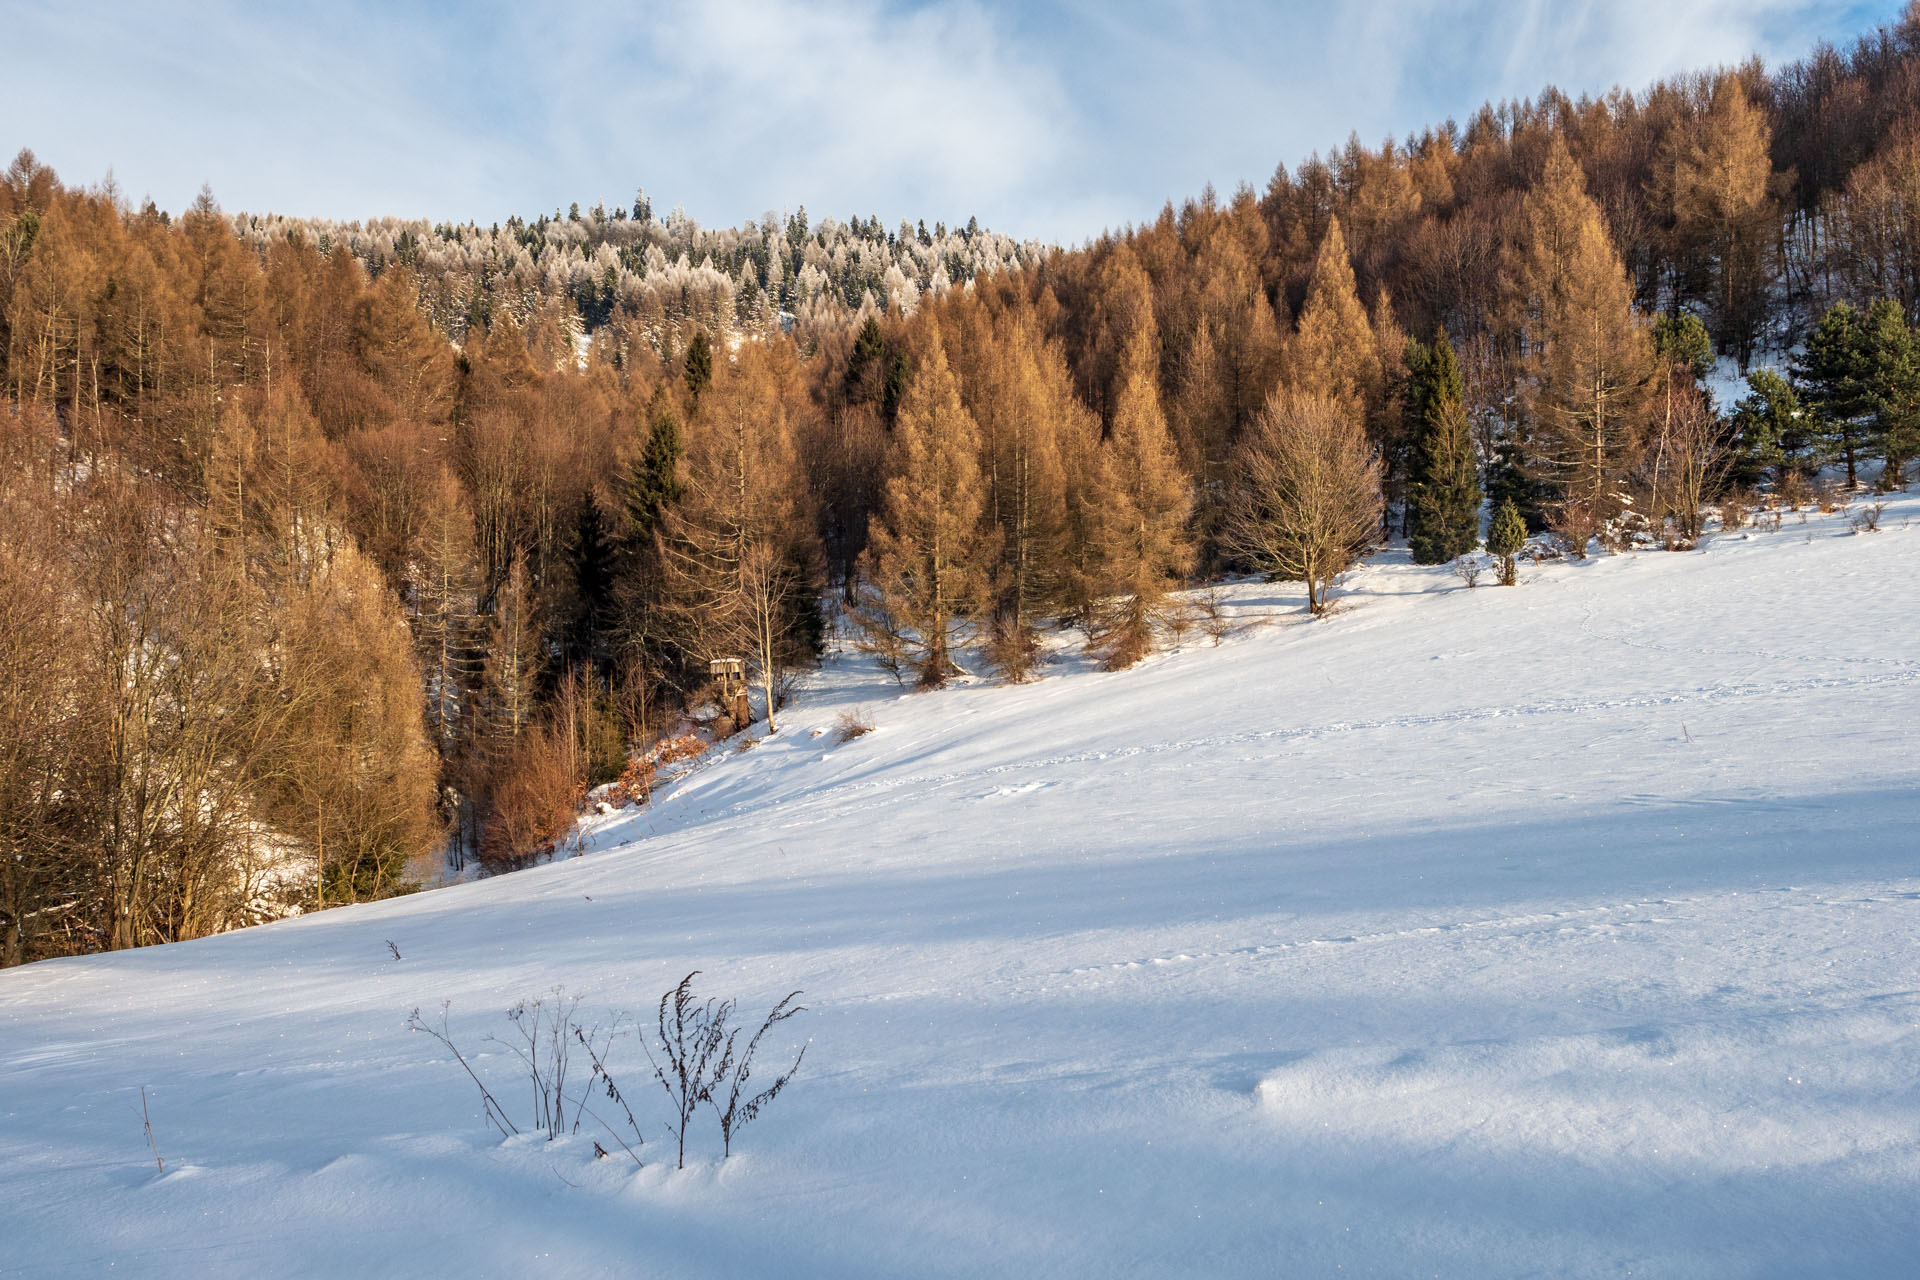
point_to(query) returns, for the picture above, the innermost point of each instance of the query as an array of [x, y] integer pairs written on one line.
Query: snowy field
[[1569, 930]]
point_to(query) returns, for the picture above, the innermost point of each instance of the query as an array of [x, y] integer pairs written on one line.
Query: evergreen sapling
[[1505, 537]]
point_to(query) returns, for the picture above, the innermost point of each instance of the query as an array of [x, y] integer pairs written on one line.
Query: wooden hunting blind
[[730, 681]]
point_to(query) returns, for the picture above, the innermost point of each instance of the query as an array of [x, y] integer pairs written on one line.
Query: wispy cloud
[[843, 104], [1044, 119]]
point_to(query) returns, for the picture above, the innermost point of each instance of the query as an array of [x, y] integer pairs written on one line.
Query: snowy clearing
[[1562, 930]]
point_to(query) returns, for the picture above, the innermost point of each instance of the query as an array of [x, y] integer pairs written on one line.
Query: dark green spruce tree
[[653, 478], [1443, 476], [698, 372], [1832, 377], [878, 371], [650, 486], [1891, 374], [1684, 345], [587, 610], [1770, 431], [1505, 536]]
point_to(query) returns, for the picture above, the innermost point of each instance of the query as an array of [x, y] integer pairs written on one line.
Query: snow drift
[[1566, 929]]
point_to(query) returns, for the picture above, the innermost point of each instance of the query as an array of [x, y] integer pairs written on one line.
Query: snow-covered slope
[[1562, 930]]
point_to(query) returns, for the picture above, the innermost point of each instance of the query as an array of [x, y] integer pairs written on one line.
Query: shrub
[[852, 723], [547, 1032], [1794, 491], [1013, 649], [692, 1042], [743, 1107], [1178, 618], [535, 801], [1213, 616], [489, 1105], [700, 1061], [1505, 537], [1575, 524], [635, 783], [544, 1045]]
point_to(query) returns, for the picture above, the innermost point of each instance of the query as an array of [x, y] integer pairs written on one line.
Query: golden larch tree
[[737, 551], [1588, 355], [931, 547], [1140, 515], [1333, 352], [1718, 176]]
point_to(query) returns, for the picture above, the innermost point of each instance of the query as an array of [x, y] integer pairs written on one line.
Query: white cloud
[[1055, 120], [1598, 43], [310, 116], [845, 105]]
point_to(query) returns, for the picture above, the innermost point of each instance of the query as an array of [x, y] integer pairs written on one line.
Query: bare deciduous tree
[[1307, 502], [1691, 463], [39, 739]]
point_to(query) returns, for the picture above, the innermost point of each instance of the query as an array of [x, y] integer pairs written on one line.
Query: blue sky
[[1052, 120]]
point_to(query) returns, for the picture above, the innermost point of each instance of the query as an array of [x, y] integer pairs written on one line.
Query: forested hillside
[[325, 549], [656, 276]]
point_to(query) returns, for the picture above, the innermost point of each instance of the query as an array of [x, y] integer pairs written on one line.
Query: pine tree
[[587, 609], [927, 557], [1022, 399], [1683, 425], [1683, 346], [737, 551], [1832, 374], [1769, 430], [648, 490], [1505, 536], [1892, 362], [653, 477], [1200, 410], [352, 772], [442, 585], [1443, 494], [45, 737], [1877, 236], [1141, 514], [407, 362], [698, 373], [875, 371], [1120, 308], [1224, 358]]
